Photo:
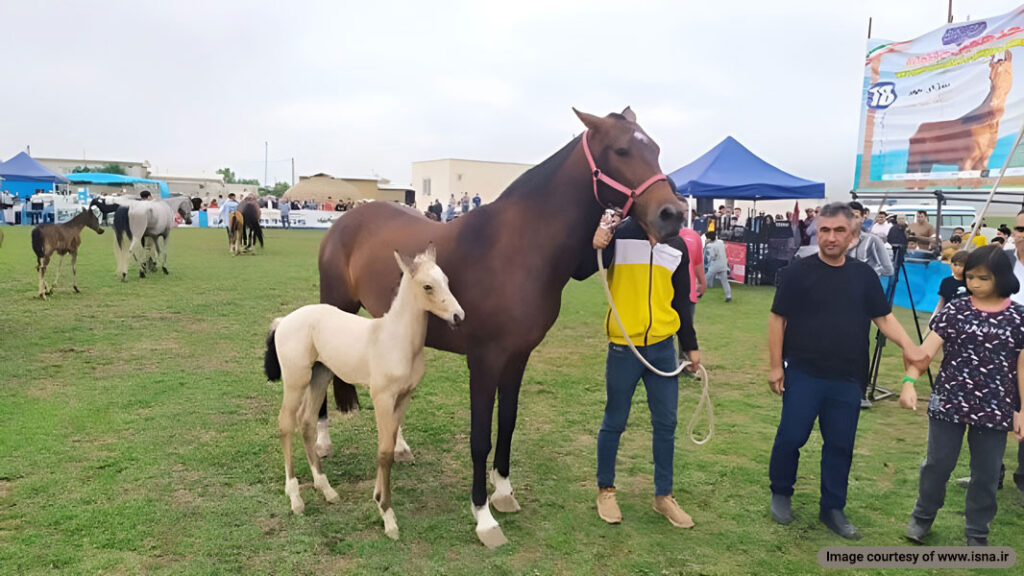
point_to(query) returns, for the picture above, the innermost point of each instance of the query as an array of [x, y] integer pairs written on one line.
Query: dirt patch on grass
[[5, 489]]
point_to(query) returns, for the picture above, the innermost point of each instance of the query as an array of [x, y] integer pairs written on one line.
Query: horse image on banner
[[941, 111]]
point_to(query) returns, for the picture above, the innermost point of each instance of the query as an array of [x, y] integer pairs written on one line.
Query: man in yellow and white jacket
[[650, 284]]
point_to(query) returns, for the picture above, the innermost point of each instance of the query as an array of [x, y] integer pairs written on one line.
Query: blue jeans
[[836, 406], [622, 373]]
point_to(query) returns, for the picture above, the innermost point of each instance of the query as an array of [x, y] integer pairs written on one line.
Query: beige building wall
[[66, 165], [440, 179]]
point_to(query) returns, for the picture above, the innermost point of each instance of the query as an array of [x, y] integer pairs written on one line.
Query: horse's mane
[[542, 174]]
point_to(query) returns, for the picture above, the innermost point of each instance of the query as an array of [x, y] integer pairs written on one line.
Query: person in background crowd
[[286, 209], [477, 201], [695, 252], [881, 225], [146, 195], [718, 264], [921, 231], [867, 247], [865, 223], [952, 247], [229, 206], [953, 287]]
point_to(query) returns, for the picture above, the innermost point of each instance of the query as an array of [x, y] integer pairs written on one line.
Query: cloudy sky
[[359, 88]]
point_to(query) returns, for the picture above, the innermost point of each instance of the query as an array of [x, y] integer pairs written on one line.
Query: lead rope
[[705, 397]]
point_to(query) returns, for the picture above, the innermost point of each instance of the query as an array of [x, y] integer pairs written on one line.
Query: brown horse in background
[[968, 141], [63, 239], [236, 229], [507, 263], [252, 230]]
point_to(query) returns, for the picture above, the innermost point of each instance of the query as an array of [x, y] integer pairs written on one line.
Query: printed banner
[[942, 111], [736, 256]]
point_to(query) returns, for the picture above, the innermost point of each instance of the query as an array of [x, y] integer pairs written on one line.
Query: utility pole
[[266, 147], [293, 171], [869, 27], [950, 20]]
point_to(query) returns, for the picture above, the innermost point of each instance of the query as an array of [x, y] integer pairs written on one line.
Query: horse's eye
[[622, 151], [428, 288]]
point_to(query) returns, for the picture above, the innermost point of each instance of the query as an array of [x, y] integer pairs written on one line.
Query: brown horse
[[507, 263], [968, 141], [251, 231], [236, 229], [63, 239]]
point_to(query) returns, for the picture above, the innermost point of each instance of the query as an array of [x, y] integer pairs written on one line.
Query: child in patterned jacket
[[978, 391]]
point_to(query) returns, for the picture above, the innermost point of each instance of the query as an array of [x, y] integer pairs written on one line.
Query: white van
[[953, 216]]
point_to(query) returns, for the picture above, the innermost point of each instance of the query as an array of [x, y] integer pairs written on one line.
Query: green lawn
[[139, 436]]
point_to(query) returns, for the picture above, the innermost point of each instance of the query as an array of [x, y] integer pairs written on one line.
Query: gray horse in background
[[141, 219]]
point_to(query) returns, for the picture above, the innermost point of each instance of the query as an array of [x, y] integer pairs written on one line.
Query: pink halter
[[596, 174]]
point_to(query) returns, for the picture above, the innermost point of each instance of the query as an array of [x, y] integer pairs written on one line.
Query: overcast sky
[[365, 88]]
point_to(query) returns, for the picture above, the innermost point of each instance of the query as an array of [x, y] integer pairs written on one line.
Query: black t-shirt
[[952, 289], [828, 312]]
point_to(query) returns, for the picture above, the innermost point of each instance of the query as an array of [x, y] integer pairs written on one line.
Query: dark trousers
[[836, 406], [1018, 476], [944, 441]]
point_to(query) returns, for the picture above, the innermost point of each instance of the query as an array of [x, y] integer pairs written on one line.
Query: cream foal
[[385, 354]]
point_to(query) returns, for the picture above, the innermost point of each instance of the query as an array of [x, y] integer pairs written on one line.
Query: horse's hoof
[[77, 291], [331, 496], [393, 534], [390, 524], [142, 274], [324, 450], [491, 537], [299, 508], [505, 503], [165, 270], [404, 456]]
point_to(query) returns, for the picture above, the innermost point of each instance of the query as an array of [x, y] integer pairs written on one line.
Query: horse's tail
[[121, 226], [37, 243], [258, 230], [271, 365]]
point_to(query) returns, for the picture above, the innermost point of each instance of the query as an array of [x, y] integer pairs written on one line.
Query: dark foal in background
[[63, 239]]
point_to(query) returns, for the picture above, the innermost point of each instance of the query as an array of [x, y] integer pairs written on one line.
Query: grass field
[[139, 436]]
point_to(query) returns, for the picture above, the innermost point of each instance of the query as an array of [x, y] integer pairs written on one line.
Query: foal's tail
[[271, 365]]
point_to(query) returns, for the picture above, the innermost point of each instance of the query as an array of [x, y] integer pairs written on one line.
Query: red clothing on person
[[696, 251]]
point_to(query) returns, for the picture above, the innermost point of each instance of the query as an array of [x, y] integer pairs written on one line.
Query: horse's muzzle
[[456, 320], [668, 222]]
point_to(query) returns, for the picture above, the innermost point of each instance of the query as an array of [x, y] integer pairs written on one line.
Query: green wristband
[[909, 379]]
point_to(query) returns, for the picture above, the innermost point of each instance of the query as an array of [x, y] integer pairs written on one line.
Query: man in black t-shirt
[[818, 353]]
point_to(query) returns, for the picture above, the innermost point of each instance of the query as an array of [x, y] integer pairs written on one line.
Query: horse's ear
[[629, 114], [431, 252], [589, 120], [1009, 56], [404, 264]]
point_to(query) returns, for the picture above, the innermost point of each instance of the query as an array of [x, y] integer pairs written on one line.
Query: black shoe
[[837, 522], [917, 530], [782, 508], [981, 541]]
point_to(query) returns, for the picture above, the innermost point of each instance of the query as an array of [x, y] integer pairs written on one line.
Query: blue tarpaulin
[[23, 176], [729, 170], [117, 179]]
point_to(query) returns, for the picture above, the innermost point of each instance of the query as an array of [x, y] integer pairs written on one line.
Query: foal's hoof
[[331, 496], [77, 291], [492, 537], [298, 507], [390, 524], [404, 456], [505, 503]]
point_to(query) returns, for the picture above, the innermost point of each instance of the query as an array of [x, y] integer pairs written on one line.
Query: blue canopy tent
[[23, 176], [105, 179], [729, 170]]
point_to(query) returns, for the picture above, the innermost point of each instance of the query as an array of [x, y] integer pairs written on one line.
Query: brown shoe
[[669, 508], [607, 507]]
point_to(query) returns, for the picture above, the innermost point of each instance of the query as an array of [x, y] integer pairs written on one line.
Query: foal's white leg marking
[[291, 488], [487, 529], [324, 448], [402, 451], [321, 483], [502, 498], [390, 524]]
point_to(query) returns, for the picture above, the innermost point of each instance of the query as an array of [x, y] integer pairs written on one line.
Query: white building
[[440, 179]]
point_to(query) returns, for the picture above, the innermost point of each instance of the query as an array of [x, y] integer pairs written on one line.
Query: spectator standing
[[922, 231], [286, 209], [718, 264]]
